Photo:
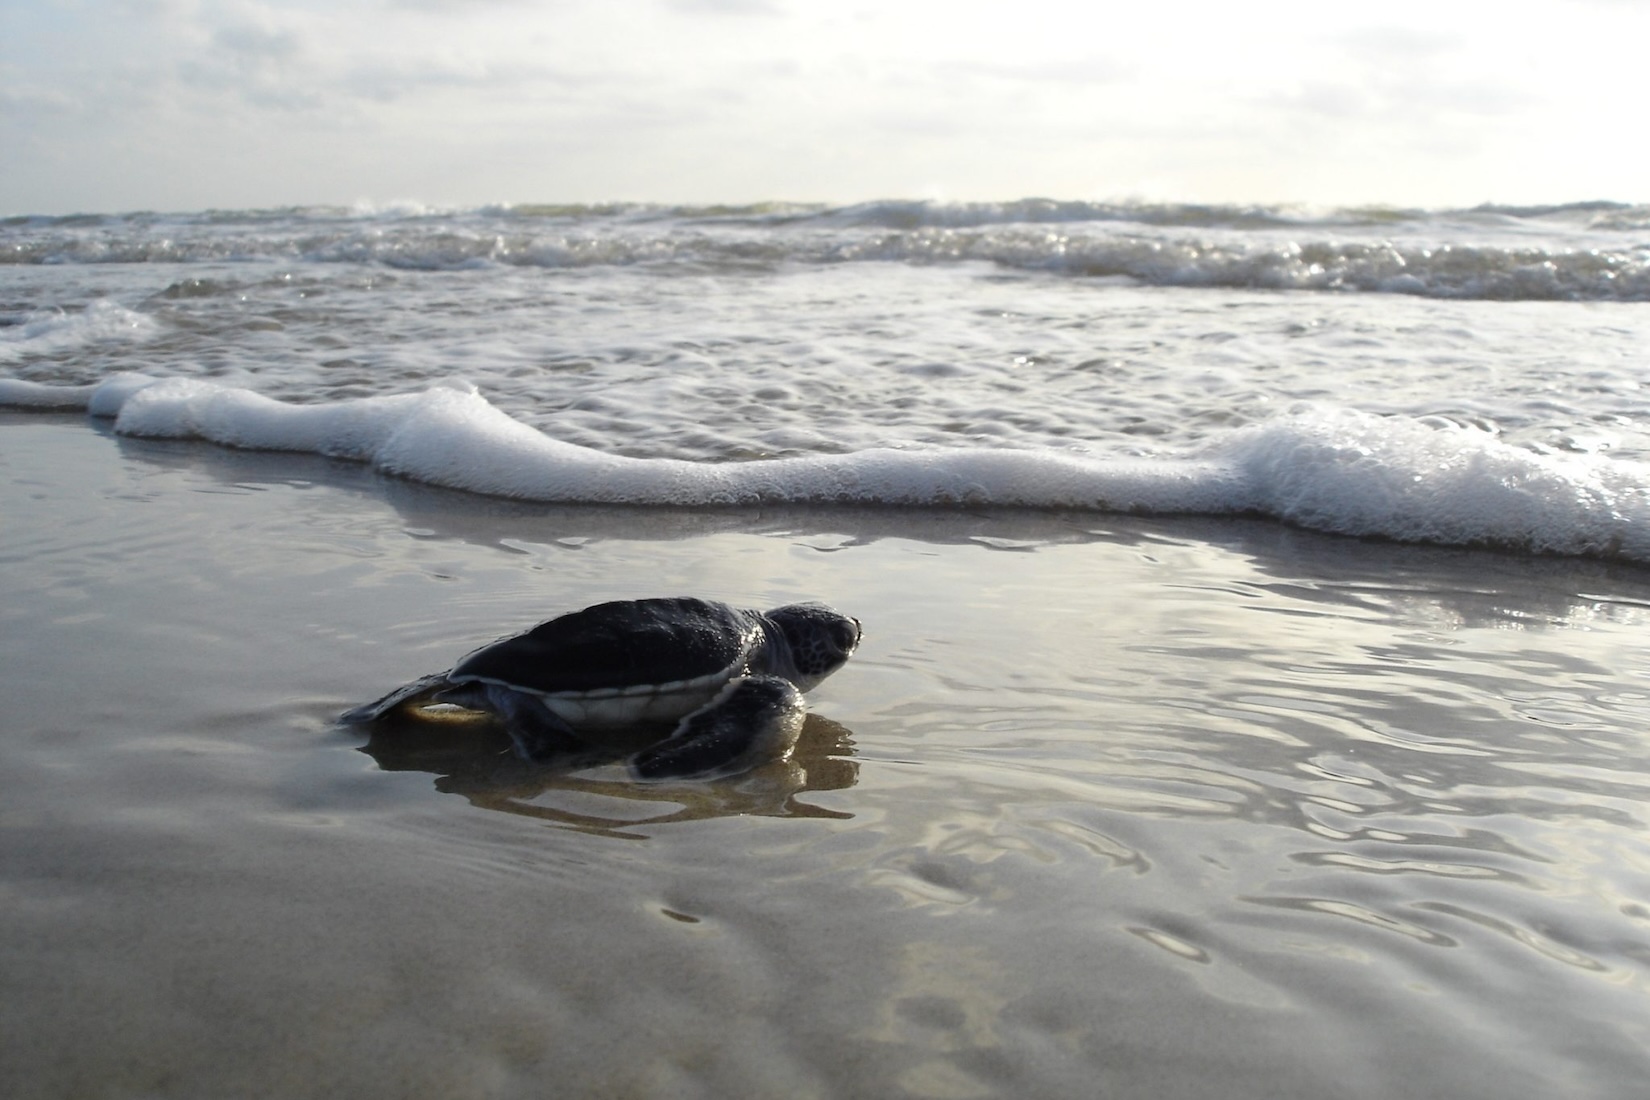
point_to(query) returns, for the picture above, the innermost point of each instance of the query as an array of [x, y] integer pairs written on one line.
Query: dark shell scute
[[627, 643]]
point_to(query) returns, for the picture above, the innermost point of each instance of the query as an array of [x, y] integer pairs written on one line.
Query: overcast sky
[[115, 105]]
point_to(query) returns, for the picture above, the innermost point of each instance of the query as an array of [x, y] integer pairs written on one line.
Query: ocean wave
[[1330, 470], [55, 330], [1447, 271], [921, 214], [883, 213], [1567, 253]]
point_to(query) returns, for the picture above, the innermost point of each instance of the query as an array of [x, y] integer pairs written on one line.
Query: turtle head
[[817, 639]]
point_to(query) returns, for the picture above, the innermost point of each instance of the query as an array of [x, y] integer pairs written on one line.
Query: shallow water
[[743, 363], [730, 334], [1103, 806]]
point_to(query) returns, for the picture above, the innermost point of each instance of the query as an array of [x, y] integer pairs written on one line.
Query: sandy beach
[[1104, 806]]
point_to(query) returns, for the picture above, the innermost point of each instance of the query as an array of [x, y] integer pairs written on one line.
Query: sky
[[179, 105]]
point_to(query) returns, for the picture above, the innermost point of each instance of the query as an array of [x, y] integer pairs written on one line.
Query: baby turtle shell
[[623, 662]]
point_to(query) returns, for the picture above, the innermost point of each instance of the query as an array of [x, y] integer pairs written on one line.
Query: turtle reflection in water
[[730, 680]]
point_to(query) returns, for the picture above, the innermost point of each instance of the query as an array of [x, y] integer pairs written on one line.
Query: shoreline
[[1336, 472]]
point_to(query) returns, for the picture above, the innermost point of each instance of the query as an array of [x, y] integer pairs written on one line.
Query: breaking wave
[[1330, 470], [1576, 252]]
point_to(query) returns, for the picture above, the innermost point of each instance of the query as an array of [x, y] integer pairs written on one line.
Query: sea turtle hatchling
[[730, 680]]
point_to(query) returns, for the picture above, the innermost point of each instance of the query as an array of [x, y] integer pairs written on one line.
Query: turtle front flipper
[[753, 721], [420, 691]]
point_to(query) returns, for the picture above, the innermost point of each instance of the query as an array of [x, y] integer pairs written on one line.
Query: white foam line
[[453, 437], [1331, 470]]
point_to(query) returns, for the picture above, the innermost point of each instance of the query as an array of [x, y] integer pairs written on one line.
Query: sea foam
[[1330, 470], [54, 330]]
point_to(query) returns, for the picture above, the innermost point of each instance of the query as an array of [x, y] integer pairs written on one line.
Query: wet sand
[[1103, 807]]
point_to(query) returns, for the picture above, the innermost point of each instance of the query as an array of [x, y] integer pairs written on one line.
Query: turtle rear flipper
[[421, 690], [539, 733], [756, 720]]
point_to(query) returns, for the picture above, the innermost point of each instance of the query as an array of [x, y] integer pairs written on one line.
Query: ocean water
[[1252, 700], [1467, 377]]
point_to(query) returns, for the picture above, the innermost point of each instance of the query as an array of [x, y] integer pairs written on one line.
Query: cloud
[[1403, 45], [1426, 81], [260, 102], [1092, 70], [456, 7], [725, 7], [21, 97], [264, 66], [257, 47]]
